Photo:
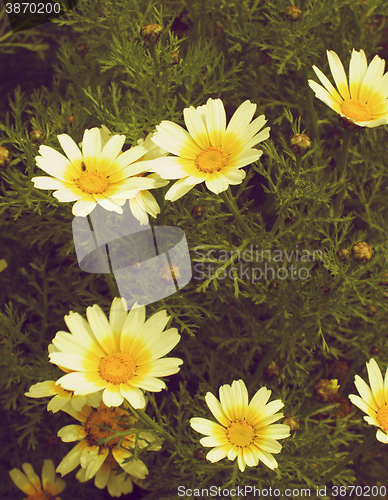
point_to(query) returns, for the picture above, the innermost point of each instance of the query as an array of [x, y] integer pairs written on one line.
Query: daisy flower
[[374, 399], [30, 483], [244, 430], [118, 482], [90, 455], [61, 396], [121, 357], [364, 101], [210, 151], [95, 175]]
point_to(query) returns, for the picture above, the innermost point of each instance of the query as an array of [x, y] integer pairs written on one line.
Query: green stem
[[342, 170], [312, 112], [234, 474], [297, 168], [263, 363], [101, 260], [231, 204], [158, 94], [203, 20], [278, 221], [151, 423], [369, 439]]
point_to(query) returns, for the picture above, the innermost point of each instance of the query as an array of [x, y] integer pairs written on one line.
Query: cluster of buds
[[169, 274], [272, 370], [197, 212]]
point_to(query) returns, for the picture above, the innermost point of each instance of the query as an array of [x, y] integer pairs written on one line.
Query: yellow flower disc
[[356, 110], [382, 417], [240, 433], [117, 368], [92, 183], [211, 160]]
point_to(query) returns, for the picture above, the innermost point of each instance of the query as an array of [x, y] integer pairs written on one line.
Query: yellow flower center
[[382, 417], [356, 110], [103, 417], [117, 368], [92, 183], [211, 160], [40, 495], [240, 433]]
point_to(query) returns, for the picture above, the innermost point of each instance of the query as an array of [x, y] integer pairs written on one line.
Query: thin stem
[[312, 112], [101, 260], [231, 204], [344, 154], [297, 168], [155, 56], [342, 170], [369, 439], [203, 20], [151, 423], [234, 474]]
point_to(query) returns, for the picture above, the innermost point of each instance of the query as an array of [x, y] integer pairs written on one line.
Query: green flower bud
[[151, 32], [292, 423], [362, 252], [197, 212], [5, 158], [327, 389], [300, 143], [37, 136], [175, 57], [343, 254], [293, 13]]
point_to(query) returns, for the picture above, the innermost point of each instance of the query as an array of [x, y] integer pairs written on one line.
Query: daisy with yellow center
[[210, 151], [30, 483], [61, 396], [374, 399], [364, 100], [244, 430], [98, 174], [90, 455], [120, 357]]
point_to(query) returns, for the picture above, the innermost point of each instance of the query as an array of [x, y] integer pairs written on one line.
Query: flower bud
[[292, 423], [37, 136], [274, 285], [300, 143], [82, 48], [200, 454], [5, 158], [70, 119], [327, 389], [293, 13], [175, 57], [272, 370], [343, 254], [169, 274], [151, 32], [197, 212], [374, 350], [362, 252], [372, 310]]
